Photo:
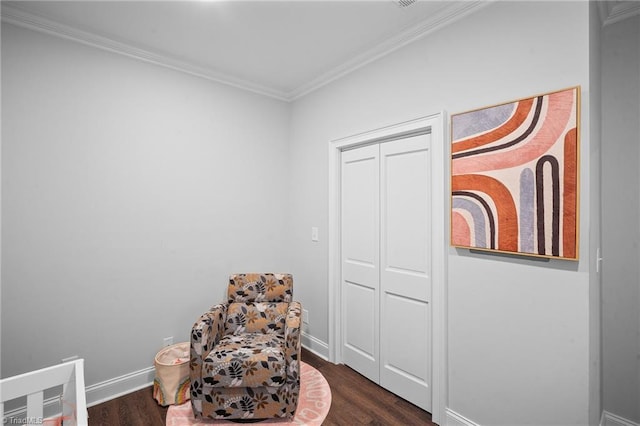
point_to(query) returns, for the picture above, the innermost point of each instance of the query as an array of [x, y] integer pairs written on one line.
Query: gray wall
[[519, 331], [595, 201], [130, 192], [621, 218]]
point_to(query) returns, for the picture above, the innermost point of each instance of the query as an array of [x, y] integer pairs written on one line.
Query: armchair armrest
[[293, 340], [205, 334]]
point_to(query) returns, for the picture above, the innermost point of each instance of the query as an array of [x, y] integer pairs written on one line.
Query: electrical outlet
[[71, 358], [167, 341], [305, 316]]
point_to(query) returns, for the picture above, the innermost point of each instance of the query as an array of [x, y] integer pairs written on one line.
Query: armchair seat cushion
[[247, 360]]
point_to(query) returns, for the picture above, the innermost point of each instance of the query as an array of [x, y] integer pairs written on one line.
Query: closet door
[[360, 260], [405, 282], [386, 287]]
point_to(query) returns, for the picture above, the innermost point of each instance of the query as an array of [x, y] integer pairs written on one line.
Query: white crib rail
[[33, 384]]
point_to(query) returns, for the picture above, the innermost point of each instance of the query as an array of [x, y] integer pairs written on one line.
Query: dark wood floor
[[355, 401]]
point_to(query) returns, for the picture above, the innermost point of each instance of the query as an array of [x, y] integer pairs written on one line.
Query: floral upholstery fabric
[[260, 288], [247, 403], [245, 354], [246, 360], [259, 317]]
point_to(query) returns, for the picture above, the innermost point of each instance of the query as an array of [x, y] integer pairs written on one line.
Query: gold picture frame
[[515, 176]]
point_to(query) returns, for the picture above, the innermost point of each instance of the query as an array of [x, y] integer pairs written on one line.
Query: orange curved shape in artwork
[[570, 194], [508, 127], [559, 110], [505, 206]]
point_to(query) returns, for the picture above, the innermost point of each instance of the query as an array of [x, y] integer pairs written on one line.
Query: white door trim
[[433, 124]]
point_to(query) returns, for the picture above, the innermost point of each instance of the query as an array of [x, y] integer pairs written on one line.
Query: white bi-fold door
[[385, 252]]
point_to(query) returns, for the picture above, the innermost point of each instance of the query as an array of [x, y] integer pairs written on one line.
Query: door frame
[[434, 125]]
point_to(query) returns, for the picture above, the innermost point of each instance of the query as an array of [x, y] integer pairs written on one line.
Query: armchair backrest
[[260, 288], [258, 303]]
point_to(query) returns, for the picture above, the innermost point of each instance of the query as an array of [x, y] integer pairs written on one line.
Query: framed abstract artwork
[[514, 176]]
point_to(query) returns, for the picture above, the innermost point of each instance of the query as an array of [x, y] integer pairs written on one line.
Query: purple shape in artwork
[[479, 224], [527, 193], [475, 122]]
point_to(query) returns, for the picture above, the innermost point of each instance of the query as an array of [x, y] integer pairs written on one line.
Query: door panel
[[405, 266], [359, 217], [406, 349], [360, 334], [386, 286], [404, 210], [360, 260], [406, 318]]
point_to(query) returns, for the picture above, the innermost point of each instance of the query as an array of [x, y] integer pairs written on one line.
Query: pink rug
[[313, 405]]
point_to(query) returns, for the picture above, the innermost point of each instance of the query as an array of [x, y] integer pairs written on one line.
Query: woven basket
[[171, 385]]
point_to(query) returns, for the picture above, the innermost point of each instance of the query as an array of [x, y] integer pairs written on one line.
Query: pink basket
[[171, 385]]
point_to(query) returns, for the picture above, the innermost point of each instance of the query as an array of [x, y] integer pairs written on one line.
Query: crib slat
[[74, 400], [33, 381], [35, 406], [76, 391], [32, 384]]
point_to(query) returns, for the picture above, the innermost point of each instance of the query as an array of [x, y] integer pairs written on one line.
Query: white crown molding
[[613, 11], [13, 15], [449, 14]]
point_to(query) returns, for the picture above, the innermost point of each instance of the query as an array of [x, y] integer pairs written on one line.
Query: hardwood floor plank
[[104, 414], [355, 401]]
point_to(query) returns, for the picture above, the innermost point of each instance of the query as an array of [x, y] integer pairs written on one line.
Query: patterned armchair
[[245, 353]]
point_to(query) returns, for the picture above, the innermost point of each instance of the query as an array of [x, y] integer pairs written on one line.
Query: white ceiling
[[279, 48], [282, 49]]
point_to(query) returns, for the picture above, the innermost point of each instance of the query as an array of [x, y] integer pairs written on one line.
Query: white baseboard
[[97, 393], [113, 388], [610, 419], [315, 345], [131, 382], [454, 419], [50, 408]]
